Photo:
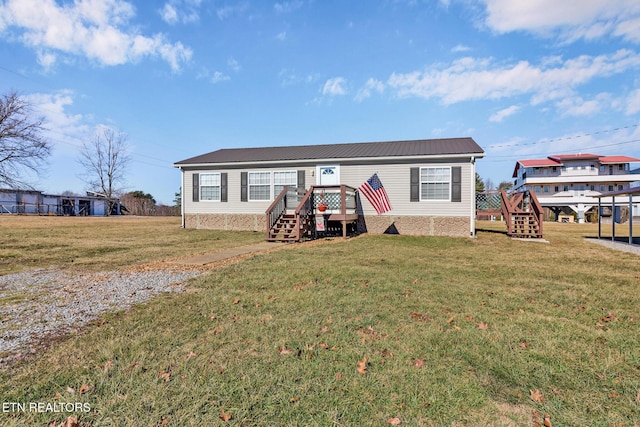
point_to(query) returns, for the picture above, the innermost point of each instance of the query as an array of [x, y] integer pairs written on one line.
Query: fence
[[488, 204], [41, 209]]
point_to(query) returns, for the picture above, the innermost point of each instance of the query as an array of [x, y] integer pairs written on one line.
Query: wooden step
[[284, 230]]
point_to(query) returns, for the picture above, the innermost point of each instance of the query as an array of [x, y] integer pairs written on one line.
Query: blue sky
[[524, 78]]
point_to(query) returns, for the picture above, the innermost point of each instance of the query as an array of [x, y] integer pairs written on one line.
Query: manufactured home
[[418, 187]]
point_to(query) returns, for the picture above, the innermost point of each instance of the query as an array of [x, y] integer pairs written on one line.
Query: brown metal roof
[[422, 147]]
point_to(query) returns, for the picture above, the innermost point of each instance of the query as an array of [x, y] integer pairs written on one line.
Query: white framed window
[[435, 183], [280, 179], [210, 187], [259, 186]]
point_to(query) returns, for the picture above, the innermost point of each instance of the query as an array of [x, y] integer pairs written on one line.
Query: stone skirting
[[410, 225], [419, 225], [235, 222]]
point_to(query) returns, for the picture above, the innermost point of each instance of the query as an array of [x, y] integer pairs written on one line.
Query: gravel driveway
[[50, 302]]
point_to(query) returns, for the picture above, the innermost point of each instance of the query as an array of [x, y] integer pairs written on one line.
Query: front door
[[328, 175]]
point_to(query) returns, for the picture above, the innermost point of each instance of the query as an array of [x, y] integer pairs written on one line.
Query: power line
[[595, 146], [165, 165], [566, 138]]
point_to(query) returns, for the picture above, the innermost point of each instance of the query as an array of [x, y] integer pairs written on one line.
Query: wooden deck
[[338, 203]]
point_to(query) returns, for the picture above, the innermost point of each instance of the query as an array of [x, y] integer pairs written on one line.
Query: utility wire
[[594, 146], [165, 165], [566, 138]]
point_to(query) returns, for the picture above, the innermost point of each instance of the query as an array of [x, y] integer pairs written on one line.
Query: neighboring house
[[430, 184], [572, 180], [37, 203]]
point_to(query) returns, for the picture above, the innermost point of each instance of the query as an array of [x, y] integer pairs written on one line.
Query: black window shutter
[[244, 186], [301, 182], [223, 187], [456, 184], [415, 185], [196, 187]]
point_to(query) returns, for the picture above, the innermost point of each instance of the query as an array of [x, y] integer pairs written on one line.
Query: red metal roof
[[558, 159], [539, 162], [618, 159], [534, 163], [579, 156]]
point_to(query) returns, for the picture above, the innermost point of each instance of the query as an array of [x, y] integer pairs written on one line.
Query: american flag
[[376, 194]]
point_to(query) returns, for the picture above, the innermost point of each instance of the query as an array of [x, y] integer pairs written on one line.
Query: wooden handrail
[[537, 210], [276, 209], [505, 208], [303, 211], [305, 203], [515, 205]]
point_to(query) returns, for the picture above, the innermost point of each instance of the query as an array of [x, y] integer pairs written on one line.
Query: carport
[[621, 194]]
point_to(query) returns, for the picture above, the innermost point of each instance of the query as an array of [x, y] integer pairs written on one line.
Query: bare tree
[[488, 184], [105, 161], [22, 145]]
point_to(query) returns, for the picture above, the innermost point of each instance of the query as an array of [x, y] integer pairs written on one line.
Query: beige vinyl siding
[[233, 205], [394, 177]]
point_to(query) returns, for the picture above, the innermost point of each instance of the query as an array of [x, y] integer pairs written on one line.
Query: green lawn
[[455, 331]]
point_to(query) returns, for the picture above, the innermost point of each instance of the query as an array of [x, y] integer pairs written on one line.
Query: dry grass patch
[[104, 243], [488, 331]]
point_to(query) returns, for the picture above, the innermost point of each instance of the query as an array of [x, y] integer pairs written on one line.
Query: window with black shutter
[[196, 187]]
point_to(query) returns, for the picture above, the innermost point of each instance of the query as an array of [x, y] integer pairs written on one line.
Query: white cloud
[[288, 6], [633, 102], [218, 77], [460, 48], [291, 77], [282, 36], [335, 87], [234, 65], [47, 60], [69, 129], [480, 78], [228, 11], [569, 19], [504, 113], [96, 29], [169, 14], [577, 106], [184, 11], [372, 85]]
